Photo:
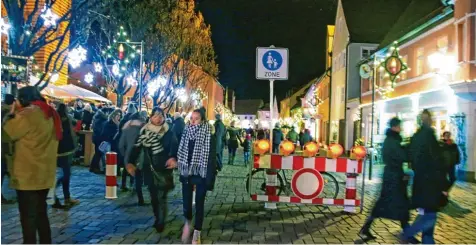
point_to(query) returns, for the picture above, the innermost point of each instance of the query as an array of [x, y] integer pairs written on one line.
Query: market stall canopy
[[83, 93], [52, 90]]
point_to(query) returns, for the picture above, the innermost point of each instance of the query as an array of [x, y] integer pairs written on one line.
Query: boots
[[365, 231], [58, 204]]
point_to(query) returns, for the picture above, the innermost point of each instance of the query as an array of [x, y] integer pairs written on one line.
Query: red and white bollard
[[350, 192], [271, 183], [111, 175]]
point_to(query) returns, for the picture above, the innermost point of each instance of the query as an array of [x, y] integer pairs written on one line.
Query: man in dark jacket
[[430, 185], [393, 202], [220, 134], [304, 137], [451, 156], [293, 136], [98, 123], [278, 136], [7, 146], [178, 126]]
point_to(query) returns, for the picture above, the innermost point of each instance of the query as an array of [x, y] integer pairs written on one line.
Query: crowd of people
[[38, 137]]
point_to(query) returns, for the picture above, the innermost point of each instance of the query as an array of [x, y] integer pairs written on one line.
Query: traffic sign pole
[[271, 174]]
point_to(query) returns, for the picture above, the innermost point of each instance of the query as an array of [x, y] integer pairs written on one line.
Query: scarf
[[150, 136], [201, 134], [449, 142], [51, 113]]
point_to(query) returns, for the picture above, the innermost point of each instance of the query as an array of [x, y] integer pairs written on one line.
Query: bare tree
[[35, 25]]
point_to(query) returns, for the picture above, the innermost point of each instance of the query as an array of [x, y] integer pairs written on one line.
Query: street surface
[[231, 217]]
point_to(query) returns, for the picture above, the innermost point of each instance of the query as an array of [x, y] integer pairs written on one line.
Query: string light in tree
[[4, 26], [49, 17], [131, 81], [77, 56], [181, 94], [89, 78], [116, 70]]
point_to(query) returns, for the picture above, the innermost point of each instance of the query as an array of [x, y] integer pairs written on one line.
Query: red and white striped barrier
[[307, 182], [321, 164], [111, 175], [271, 184]]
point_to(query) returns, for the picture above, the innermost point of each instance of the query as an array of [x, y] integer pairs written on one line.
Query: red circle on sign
[[314, 172]]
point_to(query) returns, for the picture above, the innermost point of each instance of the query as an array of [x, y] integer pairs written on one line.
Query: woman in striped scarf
[[157, 146], [197, 159]]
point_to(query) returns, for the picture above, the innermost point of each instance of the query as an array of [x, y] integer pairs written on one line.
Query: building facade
[[440, 50]]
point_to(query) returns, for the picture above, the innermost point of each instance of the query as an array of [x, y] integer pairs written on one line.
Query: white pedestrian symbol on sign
[[273, 60]]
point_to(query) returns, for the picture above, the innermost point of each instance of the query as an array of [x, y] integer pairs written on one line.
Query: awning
[[52, 90], [83, 93]]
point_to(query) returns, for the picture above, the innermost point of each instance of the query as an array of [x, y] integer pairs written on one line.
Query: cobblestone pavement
[[231, 217]]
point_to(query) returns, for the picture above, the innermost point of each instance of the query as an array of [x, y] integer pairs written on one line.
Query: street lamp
[[442, 64]]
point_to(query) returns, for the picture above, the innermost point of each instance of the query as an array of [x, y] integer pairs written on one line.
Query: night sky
[[239, 26]]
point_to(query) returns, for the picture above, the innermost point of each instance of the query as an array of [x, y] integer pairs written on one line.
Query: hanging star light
[[116, 70], [4, 27], [181, 94], [49, 17], [77, 56], [89, 77], [97, 67], [393, 64], [131, 81]]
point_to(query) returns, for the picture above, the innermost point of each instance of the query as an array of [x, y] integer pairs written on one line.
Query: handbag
[[105, 147], [163, 181]]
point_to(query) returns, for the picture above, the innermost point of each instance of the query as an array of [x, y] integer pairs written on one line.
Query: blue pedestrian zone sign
[[271, 63]]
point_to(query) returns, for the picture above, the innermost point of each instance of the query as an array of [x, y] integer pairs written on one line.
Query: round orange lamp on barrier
[[286, 148], [310, 149], [261, 147], [358, 152], [335, 151]]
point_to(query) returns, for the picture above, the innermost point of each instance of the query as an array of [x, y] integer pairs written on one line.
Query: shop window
[[419, 61], [442, 44]]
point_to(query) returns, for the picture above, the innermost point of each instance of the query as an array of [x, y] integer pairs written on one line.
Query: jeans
[[64, 162], [423, 223], [231, 152], [158, 200], [33, 216], [247, 156], [187, 193], [139, 181]]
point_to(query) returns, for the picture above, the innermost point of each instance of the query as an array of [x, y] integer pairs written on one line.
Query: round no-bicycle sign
[[271, 63]]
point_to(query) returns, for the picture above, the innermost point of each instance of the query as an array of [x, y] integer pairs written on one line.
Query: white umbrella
[[83, 93], [52, 90]]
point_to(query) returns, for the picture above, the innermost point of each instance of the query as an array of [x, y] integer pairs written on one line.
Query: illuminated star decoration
[[89, 77], [49, 17], [116, 70], [181, 94], [122, 54], [77, 56], [131, 81], [97, 67], [4, 27], [393, 64]]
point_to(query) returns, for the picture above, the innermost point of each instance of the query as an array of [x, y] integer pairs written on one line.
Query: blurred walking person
[[197, 166], [130, 133], [35, 129], [99, 119], [304, 137], [278, 136], [393, 202], [66, 148], [220, 134], [451, 156], [430, 185], [233, 142], [178, 126], [247, 148], [158, 145]]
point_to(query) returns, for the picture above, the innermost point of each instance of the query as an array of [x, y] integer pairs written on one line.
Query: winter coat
[[393, 202], [36, 146], [212, 167], [304, 137], [67, 145], [130, 132], [246, 145], [78, 114], [293, 136], [170, 147], [220, 134], [233, 137], [261, 134], [178, 127], [99, 119], [124, 120], [430, 173], [7, 144], [278, 136], [87, 119], [450, 154]]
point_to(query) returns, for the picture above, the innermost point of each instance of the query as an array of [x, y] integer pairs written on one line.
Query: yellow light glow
[[286, 147]]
